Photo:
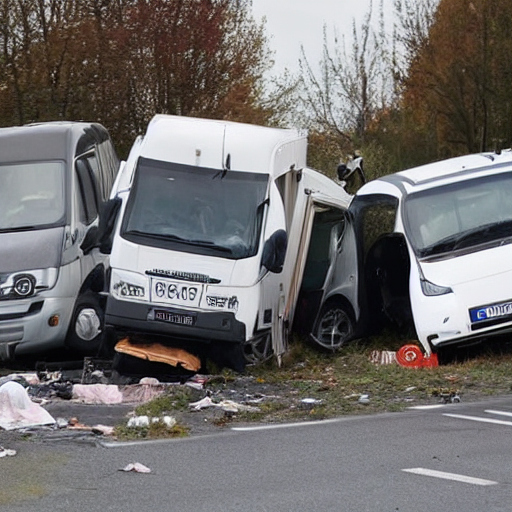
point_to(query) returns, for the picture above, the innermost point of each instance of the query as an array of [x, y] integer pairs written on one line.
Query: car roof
[[51, 140]]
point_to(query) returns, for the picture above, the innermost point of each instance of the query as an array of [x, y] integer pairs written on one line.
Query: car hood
[[490, 264], [30, 250]]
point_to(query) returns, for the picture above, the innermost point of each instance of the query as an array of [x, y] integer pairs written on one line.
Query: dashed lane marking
[[499, 413], [480, 419], [450, 476]]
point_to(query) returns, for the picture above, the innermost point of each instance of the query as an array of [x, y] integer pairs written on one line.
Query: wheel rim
[[88, 324], [334, 329], [258, 350]]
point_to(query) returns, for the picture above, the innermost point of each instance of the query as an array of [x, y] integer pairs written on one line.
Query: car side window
[[87, 189]]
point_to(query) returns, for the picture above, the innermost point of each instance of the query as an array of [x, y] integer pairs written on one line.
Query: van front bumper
[[24, 326], [131, 317]]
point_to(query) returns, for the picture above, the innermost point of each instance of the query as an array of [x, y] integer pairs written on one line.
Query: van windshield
[[459, 216], [31, 195], [195, 209]]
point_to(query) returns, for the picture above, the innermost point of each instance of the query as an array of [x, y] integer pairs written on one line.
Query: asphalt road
[[453, 458]]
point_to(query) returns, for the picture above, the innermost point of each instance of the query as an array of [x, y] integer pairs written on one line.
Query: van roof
[[218, 144], [442, 172], [51, 140]]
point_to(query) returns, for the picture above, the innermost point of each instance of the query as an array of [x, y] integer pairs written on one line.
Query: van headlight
[[20, 285], [430, 289], [123, 289], [128, 285]]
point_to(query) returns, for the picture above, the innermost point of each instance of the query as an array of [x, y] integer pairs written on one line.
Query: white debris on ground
[[4, 452], [225, 405], [145, 421], [136, 467], [17, 409]]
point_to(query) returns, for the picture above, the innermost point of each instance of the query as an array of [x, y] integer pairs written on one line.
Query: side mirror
[[342, 172], [274, 251], [108, 217], [90, 240]]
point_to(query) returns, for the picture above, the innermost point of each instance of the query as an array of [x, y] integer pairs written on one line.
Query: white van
[[54, 178], [435, 250], [214, 223]]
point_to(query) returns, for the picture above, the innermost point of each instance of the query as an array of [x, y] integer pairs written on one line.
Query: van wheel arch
[[334, 325]]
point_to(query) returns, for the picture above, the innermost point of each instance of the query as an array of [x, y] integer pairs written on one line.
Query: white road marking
[[450, 476], [426, 407], [499, 413], [286, 425], [477, 418]]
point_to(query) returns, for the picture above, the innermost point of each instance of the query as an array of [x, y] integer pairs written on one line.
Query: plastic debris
[[226, 405], [309, 403], [104, 430], [197, 381], [97, 393], [136, 467], [147, 389], [411, 356], [18, 411], [202, 404], [159, 353], [145, 421], [4, 452], [364, 399], [383, 357]]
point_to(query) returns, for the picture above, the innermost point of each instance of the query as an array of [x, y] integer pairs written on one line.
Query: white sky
[[292, 23]]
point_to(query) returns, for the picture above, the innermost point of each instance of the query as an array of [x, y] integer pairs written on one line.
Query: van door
[[383, 264]]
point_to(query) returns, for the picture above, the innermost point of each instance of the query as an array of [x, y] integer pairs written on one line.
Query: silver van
[[54, 179]]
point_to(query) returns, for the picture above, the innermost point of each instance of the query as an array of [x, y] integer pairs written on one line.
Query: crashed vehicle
[[218, 230], [54, 179], [434, 251]]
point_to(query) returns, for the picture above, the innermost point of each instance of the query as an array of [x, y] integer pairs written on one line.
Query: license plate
[[491, 311], [176, 292], [174, 318]]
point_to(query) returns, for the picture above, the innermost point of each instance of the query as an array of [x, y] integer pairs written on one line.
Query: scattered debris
[[383, 357], [136, 467], [309, 403], [4, 452], [364, 399], [98, 393], [147, 389], [447, 395], [197, 381], [145, 421], [411, 356], [104, 430], [17, 409], [159, 353], [226, 405]]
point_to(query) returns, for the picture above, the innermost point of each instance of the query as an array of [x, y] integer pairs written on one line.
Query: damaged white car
[[434, 250]]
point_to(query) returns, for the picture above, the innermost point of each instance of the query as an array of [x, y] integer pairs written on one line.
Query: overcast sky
[[292, 23]]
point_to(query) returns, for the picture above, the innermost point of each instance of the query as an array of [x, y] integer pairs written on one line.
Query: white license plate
[[176, 292]]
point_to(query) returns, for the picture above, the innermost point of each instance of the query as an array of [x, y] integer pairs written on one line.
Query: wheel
[[85, 332], [333, 328], [258, 350]]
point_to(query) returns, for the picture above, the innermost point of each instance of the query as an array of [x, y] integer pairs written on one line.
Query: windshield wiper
[[466, 238], [157, 236], [179, 239]]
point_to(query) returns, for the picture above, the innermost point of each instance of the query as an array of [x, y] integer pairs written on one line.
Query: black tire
[[333, 328], [86, 328]]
